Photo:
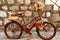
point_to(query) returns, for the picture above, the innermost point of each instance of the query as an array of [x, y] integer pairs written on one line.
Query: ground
[[29, 37]]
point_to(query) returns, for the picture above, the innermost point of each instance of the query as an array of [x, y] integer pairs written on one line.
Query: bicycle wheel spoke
[[47, 32], [13, 30]]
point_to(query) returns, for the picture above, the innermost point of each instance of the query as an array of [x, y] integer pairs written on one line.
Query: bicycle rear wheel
[[47, 32], [13, 30]]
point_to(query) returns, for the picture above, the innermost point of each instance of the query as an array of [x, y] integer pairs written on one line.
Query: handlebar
[[38, 5]]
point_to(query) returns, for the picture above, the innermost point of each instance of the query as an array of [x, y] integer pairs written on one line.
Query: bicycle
[[17, 28]]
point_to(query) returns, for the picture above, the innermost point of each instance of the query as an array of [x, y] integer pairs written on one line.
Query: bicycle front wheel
[[13, 30], [47, 32]]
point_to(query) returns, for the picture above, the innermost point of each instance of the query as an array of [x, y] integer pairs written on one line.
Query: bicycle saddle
[[19, 13]]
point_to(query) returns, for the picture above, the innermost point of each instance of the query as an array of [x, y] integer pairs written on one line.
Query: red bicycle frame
[[27, 30], [37, 25]]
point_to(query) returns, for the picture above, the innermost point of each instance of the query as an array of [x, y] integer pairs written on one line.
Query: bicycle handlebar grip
[[39, 5]]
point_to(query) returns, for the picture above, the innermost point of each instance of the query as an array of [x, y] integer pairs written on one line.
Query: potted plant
[[13, 13]]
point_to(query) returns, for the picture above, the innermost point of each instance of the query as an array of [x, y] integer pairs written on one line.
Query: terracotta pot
[[13, 15]]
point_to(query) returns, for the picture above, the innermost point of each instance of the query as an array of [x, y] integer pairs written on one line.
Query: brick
[[4, 7], [10, 1], [48, 7], [20, 1], [48, 14], [32, 0], [59, 9], [24, 20], [14, 8], [35, 14], [3, 1], [28, 13], [6, 20], [43, 15], [27, 2], [31, 8], [1, 28], [55, 17], [9, 12], [0, 1], [1, 22], [3, 14], [24, 7]]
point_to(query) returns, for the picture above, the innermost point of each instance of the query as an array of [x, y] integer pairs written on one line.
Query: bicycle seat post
[[23, 19], [21, 14]]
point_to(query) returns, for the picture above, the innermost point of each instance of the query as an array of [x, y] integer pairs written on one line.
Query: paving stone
[[29, 37]]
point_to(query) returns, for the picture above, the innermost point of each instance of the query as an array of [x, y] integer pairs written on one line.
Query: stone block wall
[[6, 7]]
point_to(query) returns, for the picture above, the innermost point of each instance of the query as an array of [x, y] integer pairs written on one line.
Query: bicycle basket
[[13, 17]]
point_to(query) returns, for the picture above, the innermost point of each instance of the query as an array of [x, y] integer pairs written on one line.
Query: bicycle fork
[[40, 26]]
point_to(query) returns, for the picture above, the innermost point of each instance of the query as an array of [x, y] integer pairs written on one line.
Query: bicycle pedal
[[30, 33]]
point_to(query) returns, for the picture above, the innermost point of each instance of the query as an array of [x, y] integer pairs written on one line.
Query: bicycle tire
[[37, 30], [5, 27]]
